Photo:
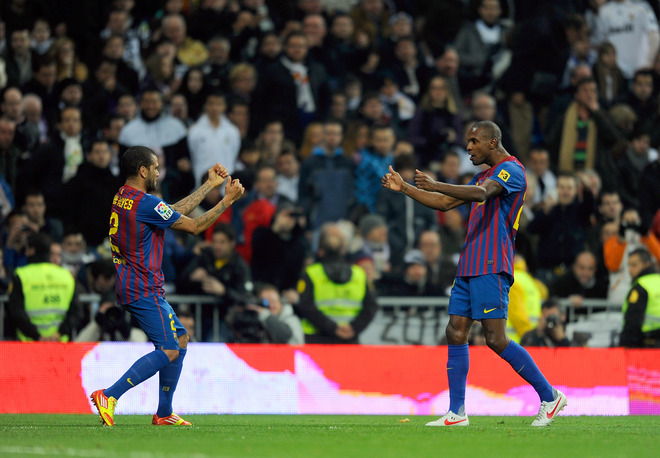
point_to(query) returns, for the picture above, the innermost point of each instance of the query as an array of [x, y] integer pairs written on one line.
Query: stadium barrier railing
[[403, 320]]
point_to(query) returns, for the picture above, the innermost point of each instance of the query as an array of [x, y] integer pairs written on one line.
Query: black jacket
[[275, 98], [88, 201]]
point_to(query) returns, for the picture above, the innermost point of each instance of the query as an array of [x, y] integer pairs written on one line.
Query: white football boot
[[450, 419], [549, 410]]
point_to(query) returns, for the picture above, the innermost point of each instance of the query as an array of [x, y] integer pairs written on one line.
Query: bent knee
[[455, 336]]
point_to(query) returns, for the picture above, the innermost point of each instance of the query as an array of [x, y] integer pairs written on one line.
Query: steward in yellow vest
[[336, 300], [42, 300], [641, 310]]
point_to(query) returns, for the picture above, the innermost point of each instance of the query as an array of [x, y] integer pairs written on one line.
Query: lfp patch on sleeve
[[504, 175], [163, 210]]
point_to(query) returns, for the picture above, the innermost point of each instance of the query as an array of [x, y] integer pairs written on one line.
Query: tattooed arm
[[217, 175], [233, 191]]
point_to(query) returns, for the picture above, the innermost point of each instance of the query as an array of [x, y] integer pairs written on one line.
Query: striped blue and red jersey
[[137, 236], [493, 224]]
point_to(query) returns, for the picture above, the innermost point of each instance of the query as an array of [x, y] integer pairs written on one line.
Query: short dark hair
[[134, 158], [227, 229], [103, 267], [490, 130], [405, 162], [643, 254], [41, 244]]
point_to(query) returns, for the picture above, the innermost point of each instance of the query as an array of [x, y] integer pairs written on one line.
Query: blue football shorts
[[481, 297], [158, 321]]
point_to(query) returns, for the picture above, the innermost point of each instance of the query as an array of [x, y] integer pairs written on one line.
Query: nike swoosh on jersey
[[489, 310]]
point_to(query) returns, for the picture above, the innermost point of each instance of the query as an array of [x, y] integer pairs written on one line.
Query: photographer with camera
[[277, 318], [550, 330], [617, 249]]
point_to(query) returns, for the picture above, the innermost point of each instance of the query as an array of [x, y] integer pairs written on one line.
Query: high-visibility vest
[[339, 302], [531, 301], [47, 291], [651, 284]]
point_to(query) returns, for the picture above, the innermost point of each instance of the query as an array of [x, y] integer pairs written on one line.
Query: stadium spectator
[[59, 159], [580, 283], [243, 81], [640, 96], [412, 281], [371, 164], [11, 165], [481, 45], [42, 84], [110, 131], [160, 131], [609, 78], [257, 209], [19, 58], [288, 174], [113, 50], [336, 300], [127, 107], [436, 125], [633, 29], [538, 166], [194, 89], [327, 189], [550, 331], [561, 226], [312, 138], [441, 269], [189, 51], [293, 89], [213, 129], [640, 309], [406, 219], [280, 250], [34, 208], [101, 93], [617, 249], [41, 39], [630, 166], [63, 52], [271, 142], [43, 303], [220, 272], [217, 67], [452, 234], [88, 195], [375, 245], [74, 251], [110, 321], [649, 200], [525, 298], [119, 24], [277, 317], [15, 238], [584, 136]]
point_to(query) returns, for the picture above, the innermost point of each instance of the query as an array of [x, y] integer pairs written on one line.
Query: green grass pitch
[[327, 436]]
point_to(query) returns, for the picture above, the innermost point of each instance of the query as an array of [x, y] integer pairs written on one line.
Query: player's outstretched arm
[[233, 191], [217, 175], [464, 193], [432, 200]]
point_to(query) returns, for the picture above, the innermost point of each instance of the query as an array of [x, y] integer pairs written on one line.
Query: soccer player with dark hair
[[137, 232], [485, 266]]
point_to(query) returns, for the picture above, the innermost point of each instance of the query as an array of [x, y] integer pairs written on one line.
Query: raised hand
[[392, 180], [233, 190], [217, 175], [424, 181]]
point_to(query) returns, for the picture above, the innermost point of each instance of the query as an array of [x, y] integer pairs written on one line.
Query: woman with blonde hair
[[312, 137], [243, 80], [68, 65], [437, 125]]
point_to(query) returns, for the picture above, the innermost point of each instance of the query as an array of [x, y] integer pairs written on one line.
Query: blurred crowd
[[309, 102]]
